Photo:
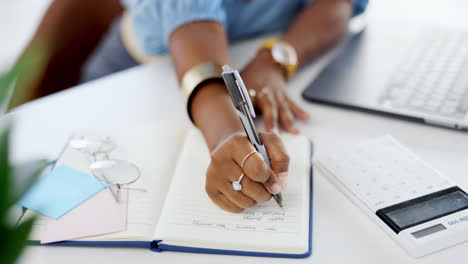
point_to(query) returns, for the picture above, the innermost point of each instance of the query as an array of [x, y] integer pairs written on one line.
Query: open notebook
[[176, 214]]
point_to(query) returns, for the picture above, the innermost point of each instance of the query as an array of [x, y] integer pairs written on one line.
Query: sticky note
[[99, 215], [59, 191]]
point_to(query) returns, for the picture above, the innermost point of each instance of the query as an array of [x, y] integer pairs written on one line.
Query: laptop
[[414, 72]]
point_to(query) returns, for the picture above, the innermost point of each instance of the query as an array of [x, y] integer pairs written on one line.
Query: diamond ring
[[237, 184]]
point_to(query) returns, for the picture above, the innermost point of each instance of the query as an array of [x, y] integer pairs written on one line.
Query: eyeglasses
[[112, 172]]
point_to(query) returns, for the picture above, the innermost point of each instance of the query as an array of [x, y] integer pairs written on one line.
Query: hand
[[267, 78], [259, 181]]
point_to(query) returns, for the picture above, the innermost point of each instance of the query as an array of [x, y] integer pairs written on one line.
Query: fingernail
[[275, 188], [275, 130], [295, 131], [260, 155]]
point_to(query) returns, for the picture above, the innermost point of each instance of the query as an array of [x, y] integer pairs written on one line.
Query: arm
[[211, 108], [214, 114], [320, 26], [317, 28], [67, 34]]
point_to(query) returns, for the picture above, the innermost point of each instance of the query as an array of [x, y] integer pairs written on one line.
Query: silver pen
[[245, 110]]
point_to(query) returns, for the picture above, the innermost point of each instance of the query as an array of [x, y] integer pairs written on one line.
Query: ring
[[237, 184], [246, 157], [252, 93], [263, 91]]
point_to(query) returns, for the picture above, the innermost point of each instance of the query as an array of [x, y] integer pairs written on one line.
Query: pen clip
[[242, 102], [244, 93]]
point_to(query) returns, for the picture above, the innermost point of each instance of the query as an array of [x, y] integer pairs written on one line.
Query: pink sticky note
[[99, 215]]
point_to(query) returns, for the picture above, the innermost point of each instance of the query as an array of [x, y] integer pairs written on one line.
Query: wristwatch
[[282, 53]]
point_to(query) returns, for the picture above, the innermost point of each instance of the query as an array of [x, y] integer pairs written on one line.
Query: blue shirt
[[155, 20]]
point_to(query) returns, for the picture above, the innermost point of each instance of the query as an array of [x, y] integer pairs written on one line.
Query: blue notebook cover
[[157, 246]]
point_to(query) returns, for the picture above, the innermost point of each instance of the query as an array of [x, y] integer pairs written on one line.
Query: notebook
[[175, 213]]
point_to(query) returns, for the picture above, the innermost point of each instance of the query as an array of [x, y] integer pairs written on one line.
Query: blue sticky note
[[61, 190]]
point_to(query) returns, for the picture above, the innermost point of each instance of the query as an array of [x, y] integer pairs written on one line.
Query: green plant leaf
[[25, 70], [5, 82], [14, 240], [5, 178]]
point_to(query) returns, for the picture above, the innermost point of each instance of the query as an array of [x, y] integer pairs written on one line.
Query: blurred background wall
[[18, 20]]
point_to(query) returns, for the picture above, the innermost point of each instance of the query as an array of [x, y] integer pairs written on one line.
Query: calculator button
[[382, 172]]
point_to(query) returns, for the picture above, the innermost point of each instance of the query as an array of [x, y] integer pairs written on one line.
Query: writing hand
[[229, 162]]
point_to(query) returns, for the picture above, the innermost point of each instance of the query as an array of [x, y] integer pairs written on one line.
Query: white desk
[[341, 232]]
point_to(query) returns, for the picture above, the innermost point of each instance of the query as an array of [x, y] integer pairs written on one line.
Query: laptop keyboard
[[433, 77]]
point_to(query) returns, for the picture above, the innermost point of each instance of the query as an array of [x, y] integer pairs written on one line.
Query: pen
[[245, 110]]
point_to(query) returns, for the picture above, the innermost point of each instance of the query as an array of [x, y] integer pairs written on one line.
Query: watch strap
[[290, 69]]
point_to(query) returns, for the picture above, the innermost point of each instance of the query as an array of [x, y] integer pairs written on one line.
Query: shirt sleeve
[[155, 20], [359, 6]]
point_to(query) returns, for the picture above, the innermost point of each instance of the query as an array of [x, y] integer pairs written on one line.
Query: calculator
[[415, 204]]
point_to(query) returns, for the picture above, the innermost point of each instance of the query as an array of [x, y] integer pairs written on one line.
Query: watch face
[[284, 54]]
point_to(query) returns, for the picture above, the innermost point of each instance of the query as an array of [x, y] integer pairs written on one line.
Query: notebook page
[[190, 218], [154, 149]]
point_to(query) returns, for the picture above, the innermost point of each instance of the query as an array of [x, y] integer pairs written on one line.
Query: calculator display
[[424, 209]]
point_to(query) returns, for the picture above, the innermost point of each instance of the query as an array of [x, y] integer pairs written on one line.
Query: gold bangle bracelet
[[197, 75]]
